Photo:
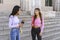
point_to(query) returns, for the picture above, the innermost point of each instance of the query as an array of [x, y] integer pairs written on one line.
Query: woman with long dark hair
[[37, 25], [15, 23]]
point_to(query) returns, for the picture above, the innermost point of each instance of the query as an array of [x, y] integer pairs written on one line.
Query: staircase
[[4, 28], [51, 30], [47, 8]]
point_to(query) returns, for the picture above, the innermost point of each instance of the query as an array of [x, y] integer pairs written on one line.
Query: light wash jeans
[[15, 34]]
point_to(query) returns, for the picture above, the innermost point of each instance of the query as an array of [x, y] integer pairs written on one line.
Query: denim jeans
[[15, 34]]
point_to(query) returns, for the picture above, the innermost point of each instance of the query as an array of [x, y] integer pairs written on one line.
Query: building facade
[[30, 4], [48, 7], [52, 4], [7, 5]]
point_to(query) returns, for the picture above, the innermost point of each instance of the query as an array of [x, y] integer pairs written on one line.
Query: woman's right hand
[[21, 25], [32, 24]]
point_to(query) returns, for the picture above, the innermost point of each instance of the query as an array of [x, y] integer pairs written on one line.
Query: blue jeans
[[15, 34]]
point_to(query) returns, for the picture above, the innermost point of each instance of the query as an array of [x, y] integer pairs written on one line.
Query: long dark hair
[[15, 10], [35, 16]]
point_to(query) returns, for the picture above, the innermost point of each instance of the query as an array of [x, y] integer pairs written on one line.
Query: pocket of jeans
[[13, 30]]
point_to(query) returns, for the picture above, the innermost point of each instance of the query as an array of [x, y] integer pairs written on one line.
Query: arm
[[21, 23], [10, 22], [32, 21], [42, 28]]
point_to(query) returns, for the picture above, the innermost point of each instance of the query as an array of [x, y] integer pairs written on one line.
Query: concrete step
[[24, 13], [6, 37], [51, 31], [47, 8], [1, 28], [1, 32], [51, 36], [27, 38], [28, 16], [57, 38], [45, 31], [51, 27]]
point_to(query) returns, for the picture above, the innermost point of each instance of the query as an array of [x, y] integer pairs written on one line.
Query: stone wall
[[7, 5], [56, 5]]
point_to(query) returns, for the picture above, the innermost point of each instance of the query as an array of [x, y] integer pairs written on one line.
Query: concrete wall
[[7, 5], [26, 4], [56, 5]]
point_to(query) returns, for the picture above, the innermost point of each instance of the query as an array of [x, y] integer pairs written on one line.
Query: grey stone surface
[[51, 30], [56, 5]]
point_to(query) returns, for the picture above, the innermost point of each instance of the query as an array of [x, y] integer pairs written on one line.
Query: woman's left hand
[[40, 34]]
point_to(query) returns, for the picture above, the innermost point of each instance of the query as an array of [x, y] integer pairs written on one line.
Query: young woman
[[37, 25], [15, 23]]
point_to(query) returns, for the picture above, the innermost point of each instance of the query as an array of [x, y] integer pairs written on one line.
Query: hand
[[32, 24], [40, 33], [20, 25]]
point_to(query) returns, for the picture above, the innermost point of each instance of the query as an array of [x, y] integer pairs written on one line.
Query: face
[[20, 11], [36, 12]]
